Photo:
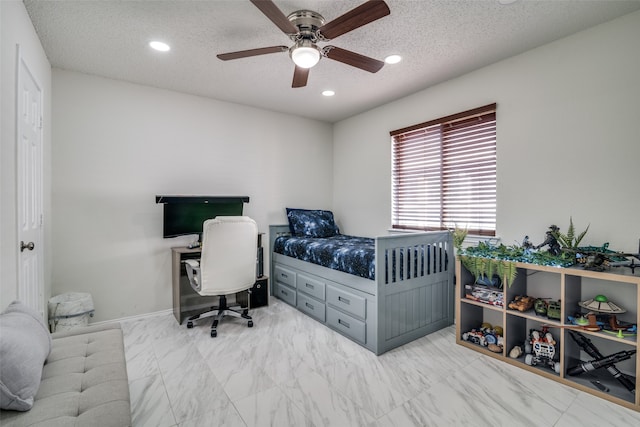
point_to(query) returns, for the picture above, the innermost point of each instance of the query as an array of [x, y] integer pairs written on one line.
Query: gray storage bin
[[70, 310]]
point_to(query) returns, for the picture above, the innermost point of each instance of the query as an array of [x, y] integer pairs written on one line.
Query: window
[[444, 173]]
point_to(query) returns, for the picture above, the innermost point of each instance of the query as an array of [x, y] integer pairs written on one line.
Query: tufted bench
[[84, 382]]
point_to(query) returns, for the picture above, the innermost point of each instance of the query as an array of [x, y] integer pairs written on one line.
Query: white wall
[[568, 140], [117, 145], [568, 145], [16, 30]]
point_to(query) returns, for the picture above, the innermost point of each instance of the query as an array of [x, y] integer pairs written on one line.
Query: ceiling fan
[[306, 28]]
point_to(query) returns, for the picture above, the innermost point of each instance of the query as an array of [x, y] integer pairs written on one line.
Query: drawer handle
[[345, 324], [309, 305], [344, 300], [284, 275], [283, 292], [308, 285]]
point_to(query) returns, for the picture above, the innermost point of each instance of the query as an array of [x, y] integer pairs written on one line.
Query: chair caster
[[245, 312], [250, 324], [214, 333], [189, 325]]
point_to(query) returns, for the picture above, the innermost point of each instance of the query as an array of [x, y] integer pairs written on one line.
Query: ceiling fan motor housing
[[307, 22]]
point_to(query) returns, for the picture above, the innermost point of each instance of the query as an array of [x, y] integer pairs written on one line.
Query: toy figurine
[[515, 352], [554, 246], [527, 246], [495, 348]]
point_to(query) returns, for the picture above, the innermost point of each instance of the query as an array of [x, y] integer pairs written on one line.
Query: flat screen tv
[[184, 215]]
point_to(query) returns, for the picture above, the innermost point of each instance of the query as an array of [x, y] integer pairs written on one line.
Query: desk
[[187, 302]]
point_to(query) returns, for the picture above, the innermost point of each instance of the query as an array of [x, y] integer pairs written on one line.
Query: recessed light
[[328, 93], [393, 59], [160, 46]]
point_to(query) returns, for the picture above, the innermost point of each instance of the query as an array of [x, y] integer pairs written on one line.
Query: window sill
[[470, 240], [474, 240]]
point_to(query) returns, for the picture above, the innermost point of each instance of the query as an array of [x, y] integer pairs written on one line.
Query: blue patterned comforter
[[349, 254]]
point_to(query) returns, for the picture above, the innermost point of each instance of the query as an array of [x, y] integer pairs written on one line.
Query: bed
[[380, 292]]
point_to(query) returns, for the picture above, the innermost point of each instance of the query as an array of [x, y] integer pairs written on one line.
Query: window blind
[[444, 173]]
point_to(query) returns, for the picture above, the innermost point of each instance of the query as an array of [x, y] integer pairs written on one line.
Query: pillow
[[311, 223], [25, 344]]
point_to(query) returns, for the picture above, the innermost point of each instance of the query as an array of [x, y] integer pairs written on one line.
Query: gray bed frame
[[379, 314]]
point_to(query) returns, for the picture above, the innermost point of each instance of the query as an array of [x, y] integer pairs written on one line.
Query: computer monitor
[[184, 215]]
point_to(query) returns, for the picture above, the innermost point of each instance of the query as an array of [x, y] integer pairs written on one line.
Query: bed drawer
[[311, 286], [345, 301], [346, 325], [311, 307], [285, 276], [285, 293]]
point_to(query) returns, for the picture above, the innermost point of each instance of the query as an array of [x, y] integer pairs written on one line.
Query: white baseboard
[[136, 317]]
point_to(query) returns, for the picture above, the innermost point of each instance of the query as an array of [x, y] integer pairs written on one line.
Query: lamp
[[305, 54]]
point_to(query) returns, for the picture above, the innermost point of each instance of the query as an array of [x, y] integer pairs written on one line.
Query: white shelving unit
[[569, 285]]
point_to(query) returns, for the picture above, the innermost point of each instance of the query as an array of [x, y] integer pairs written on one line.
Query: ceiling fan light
[[305, 56]]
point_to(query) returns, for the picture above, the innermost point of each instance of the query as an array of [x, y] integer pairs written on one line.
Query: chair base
[[220, 312]]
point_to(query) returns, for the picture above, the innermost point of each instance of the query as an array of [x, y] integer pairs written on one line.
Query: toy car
[[487, 335], [540, 307], [485, 294], [553, 310], [521, 303], [540, 349], [475, 336]]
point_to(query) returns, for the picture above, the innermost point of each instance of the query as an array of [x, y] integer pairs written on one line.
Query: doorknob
[[24, 246]]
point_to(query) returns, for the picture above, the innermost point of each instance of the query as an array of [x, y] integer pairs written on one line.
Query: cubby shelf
[[569, 286]]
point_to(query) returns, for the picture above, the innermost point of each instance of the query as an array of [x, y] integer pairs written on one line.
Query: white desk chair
[[227, 265]]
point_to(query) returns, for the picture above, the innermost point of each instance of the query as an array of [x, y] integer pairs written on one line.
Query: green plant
[[480, 266], [485, 259], [507, 271], [459, 234], [569, 240]]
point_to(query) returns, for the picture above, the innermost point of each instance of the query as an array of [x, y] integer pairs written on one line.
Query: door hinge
[[41, 121]]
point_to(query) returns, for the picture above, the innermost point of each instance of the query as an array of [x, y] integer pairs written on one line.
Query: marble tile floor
[[289, 370]]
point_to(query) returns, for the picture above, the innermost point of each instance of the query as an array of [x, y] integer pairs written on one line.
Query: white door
[[29, 191]]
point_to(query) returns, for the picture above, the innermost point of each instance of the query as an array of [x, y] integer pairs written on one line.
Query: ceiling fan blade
[[276, 16], [300, 77], [252, 52], [355, 18], [354, 59]]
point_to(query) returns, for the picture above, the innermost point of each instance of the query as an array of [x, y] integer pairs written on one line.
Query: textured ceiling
[[438, 40]]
